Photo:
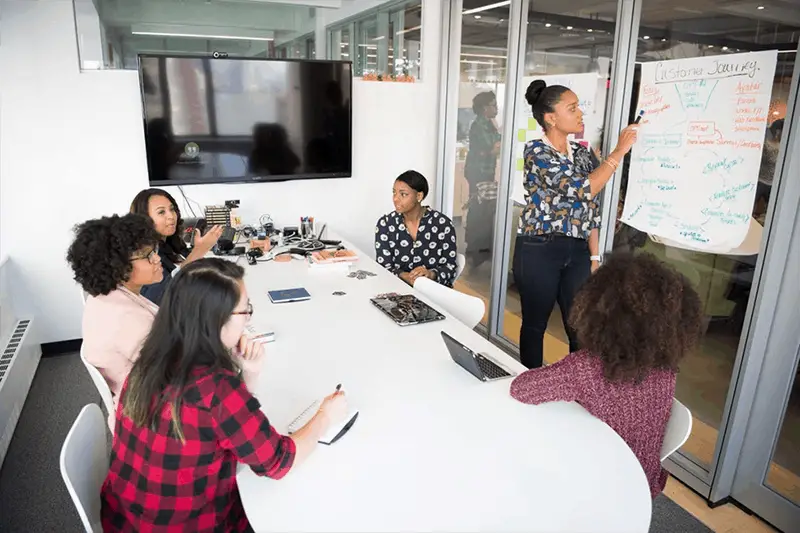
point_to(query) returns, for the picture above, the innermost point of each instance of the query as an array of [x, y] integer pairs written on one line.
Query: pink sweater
[[115, 326], [637, 412]]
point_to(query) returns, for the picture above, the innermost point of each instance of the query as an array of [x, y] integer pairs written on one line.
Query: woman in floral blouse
[[414, 240], [557, 243]]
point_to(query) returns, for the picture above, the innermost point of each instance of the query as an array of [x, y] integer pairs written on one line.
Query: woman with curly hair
[[113, 258], [161, 208], [635, 318]]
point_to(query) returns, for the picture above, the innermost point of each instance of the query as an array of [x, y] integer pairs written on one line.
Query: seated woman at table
[[414, 240], [187, 415], [112, 259], [162, 209], [635, 318]]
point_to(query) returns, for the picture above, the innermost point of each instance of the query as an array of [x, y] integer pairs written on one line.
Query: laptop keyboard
[[490, 368]]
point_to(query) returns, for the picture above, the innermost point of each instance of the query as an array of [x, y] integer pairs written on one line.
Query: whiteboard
[[591, 91], [694, 169]]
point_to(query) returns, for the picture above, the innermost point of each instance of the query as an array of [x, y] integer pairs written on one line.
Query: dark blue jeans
[[547, 269]]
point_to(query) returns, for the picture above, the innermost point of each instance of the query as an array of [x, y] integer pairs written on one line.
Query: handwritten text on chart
[[732, 192], [672, 71], [693, 173], [724, 164]]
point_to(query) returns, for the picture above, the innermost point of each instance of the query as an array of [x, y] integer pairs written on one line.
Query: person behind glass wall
[[191, 393], [414, 240], [479, 171], [557, 243], [162, 209]]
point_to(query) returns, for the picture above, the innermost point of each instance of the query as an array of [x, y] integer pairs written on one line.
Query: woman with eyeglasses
[[162, 209], [187, 416], [112, 259]]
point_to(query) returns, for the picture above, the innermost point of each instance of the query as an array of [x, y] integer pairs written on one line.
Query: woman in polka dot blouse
[[415, 240]]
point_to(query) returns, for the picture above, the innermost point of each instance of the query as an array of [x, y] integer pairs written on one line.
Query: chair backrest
[[84, 464], [678, 429], [101, 384], [461, 262], [468, 309]]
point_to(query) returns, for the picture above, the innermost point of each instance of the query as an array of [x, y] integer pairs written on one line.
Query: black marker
[[338, 387], [641, 114]]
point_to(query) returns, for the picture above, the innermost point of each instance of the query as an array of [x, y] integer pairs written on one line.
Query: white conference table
[[433, 448]]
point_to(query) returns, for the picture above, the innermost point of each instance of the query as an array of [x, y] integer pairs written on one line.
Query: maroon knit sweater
[[638, 412]]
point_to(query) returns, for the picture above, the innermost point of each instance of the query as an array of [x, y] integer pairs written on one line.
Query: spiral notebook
[[334, 433]]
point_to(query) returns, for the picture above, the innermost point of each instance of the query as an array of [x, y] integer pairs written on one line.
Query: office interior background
[[71, 148]]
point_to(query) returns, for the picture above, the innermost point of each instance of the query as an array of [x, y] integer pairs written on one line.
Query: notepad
[[334, 433], [289, 295]]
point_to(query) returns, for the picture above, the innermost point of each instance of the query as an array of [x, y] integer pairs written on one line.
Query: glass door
[[481, 103], [723, 278], [767, 477]]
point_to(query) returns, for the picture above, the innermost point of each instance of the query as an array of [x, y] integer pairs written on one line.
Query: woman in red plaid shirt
[[186, 416]]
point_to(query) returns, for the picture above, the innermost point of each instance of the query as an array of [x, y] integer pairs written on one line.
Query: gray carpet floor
[[33, 496]]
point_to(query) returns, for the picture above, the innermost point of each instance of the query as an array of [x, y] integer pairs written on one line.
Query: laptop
[[480, 366], [406, 309]]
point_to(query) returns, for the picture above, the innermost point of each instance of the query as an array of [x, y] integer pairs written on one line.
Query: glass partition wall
[[598, 49]]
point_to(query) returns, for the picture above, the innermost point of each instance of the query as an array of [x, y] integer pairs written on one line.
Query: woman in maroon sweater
[[635, 318]]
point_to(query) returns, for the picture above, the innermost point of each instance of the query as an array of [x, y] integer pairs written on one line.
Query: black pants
[[547, 269]]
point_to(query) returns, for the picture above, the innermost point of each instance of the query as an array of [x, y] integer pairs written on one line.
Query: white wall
[[72, 149]]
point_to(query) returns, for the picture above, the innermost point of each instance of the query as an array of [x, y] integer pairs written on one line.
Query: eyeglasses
[[248, 312], [152, 256]]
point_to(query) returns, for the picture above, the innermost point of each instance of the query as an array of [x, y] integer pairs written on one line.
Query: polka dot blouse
[[435, 247]]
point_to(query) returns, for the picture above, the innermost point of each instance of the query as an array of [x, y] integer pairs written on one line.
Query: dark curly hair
[[100, 255], [637, 314], [173, 246]]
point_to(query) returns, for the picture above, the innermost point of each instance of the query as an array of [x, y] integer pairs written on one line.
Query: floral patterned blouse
[[435, 247], [558, 198]]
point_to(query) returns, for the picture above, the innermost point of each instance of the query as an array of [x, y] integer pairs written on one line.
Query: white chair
[[468, 309], [101, 384], [678, 429], [84, 464], [461, 262]]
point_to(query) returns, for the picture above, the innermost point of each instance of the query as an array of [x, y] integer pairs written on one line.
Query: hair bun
[[534, 91]]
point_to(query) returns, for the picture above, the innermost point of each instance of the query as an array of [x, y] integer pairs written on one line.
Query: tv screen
[[212, 120]]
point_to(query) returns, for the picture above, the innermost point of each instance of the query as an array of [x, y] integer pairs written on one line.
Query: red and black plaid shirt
[[158, 484]]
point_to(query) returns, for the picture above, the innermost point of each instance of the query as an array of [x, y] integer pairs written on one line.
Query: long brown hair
[[185, 335]]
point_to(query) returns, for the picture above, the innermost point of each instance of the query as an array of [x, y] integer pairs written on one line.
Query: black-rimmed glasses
[[152, 256]]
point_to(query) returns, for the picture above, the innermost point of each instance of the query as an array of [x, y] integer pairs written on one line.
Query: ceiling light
[[477, 17], [711, 46], [590, 30], [663, 40], [486, 8], [760, 7], [201, 36], [408, 30], [547, 25], [569, 27], [724, 47], [646, 37]]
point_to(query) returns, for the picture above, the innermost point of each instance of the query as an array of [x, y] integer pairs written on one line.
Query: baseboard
[[52, 349]]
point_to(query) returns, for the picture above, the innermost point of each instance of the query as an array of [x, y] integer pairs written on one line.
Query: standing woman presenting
[[557, 242]]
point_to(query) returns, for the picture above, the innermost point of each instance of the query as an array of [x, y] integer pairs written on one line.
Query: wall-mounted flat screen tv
[[217, 120]]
